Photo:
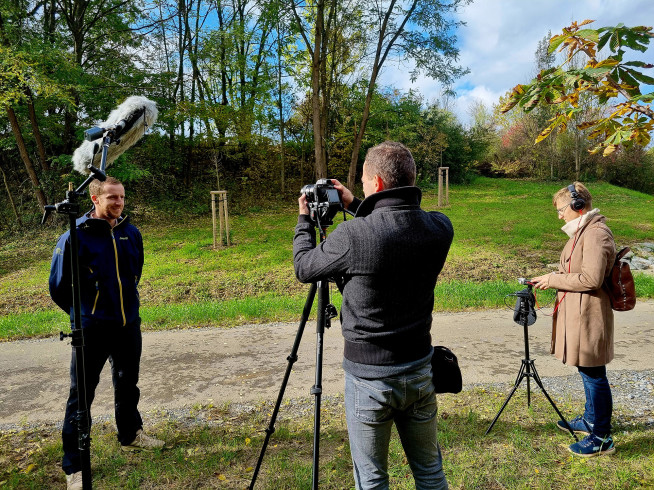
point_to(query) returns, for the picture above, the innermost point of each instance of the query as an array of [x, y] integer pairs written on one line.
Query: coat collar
[[592, 216], [399, 196]]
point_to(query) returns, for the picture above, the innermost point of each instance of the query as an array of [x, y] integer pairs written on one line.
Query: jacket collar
[[89, 223], [399, 196]]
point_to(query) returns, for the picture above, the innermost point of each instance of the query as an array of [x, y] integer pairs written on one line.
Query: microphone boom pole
[[70, 207]]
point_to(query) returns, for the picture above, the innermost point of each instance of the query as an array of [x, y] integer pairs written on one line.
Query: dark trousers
[[599, 400], [122, 346]]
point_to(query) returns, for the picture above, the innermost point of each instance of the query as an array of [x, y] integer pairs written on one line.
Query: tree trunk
[[11, 198], [20, 142], [280, 103], [37, 135], [380, 57], [318, 126]]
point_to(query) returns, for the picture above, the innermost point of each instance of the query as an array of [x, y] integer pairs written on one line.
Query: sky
[[499, 41]]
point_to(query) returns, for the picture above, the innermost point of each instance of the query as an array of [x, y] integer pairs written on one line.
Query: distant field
[[504, 229]]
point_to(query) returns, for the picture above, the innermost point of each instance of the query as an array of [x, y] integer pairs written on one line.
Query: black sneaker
[[578, 425], [592, 445]]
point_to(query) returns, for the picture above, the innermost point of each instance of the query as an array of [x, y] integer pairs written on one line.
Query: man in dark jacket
[[387, 260], [110, 265]]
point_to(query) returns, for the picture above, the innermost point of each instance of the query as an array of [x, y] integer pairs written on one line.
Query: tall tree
[[420, 30]]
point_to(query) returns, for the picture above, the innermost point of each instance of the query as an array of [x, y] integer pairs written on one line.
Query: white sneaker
[[74, 481], [143, 442]]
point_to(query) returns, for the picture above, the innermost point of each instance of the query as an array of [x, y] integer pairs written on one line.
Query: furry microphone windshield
[[129, 121]]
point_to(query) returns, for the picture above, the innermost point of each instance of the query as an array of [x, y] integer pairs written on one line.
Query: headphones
[[578, 203]]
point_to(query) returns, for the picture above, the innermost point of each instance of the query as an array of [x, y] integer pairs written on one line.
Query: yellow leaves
[[247, 441], [29, 468], [607, 62], [586, 125], [544, 134], [609, 149]]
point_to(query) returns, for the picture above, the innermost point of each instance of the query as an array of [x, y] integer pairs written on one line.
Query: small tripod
[[525, 316], [325, 312]]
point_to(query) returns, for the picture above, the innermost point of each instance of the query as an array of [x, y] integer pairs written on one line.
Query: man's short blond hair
[[96, 187]]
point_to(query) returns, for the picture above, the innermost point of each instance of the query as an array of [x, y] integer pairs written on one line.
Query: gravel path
[[243, 366]]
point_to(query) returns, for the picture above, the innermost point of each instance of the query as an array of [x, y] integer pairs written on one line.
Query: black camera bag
[[445, 369]]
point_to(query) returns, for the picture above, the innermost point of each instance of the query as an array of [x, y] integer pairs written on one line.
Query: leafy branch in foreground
[[630, 118]]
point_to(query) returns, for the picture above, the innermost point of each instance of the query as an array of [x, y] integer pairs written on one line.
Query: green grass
[[217, 447], [504, 229]]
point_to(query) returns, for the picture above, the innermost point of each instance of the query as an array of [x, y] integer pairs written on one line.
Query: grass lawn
[[504, 229], [218, 447]]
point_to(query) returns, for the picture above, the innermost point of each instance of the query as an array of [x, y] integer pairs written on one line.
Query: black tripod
[[525, 316], [325, 312], [71, 207]]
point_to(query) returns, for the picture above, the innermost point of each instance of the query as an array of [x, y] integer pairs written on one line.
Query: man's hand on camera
[[346, 195], [302, 201]]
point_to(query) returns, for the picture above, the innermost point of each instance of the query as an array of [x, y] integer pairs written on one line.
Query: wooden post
[[223, 217], [440, 187], [447, 185], [443, 171]]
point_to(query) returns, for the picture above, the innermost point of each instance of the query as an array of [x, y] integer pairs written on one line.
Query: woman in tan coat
[[582, 323]]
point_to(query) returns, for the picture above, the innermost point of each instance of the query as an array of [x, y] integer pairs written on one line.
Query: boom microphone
[[125, 126]]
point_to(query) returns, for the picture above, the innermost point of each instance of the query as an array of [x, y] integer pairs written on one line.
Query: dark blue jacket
[[387, 261], [110, 266]]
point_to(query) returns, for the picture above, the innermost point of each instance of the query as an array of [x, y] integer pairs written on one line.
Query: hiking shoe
[[577, 424], [592, 445], [143, 442], [74, 481]]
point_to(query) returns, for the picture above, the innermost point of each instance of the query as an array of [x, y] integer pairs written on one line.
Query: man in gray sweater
[[387, 261]]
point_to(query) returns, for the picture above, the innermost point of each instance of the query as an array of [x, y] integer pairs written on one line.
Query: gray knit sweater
[[386, 262]]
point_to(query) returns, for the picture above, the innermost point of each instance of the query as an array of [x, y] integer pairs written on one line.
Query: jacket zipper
[[97, 295], [120, 285]]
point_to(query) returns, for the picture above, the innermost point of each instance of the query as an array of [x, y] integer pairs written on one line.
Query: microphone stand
[[70, 207], [528, 368]]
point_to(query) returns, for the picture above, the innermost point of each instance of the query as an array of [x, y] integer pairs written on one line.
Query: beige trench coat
[[582, 327]]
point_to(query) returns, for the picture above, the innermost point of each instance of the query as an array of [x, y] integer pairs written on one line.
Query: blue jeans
[[371, 407], [599, 401]]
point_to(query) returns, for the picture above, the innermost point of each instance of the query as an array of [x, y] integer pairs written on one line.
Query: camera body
[[323, 201]]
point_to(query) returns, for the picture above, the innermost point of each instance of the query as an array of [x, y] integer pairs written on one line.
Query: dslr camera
[[323, 202]]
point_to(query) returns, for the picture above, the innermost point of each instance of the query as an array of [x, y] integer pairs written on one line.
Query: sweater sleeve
[[326, 260], [598, 247]]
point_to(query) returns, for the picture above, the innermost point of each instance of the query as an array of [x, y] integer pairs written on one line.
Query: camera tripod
[[325, 312], [526, 315]]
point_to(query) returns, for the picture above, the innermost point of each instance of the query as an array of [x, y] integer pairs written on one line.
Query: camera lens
[[310, 191]]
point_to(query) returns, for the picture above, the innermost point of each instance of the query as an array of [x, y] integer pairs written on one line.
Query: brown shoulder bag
[[620, 284]]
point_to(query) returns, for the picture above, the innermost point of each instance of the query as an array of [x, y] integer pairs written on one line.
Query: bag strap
[[621, 254]]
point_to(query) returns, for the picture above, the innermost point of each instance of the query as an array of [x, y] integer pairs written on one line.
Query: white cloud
[[499, 42]]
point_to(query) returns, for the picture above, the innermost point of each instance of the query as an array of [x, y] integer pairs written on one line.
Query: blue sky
[[500, 38]]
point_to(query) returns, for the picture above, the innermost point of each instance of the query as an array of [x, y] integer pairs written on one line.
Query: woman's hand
[[541, 282]]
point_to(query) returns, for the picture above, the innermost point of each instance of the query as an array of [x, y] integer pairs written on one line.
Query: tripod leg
[[540, 384], [521, 375], [321, 325], [529, 375], [289, 367]]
